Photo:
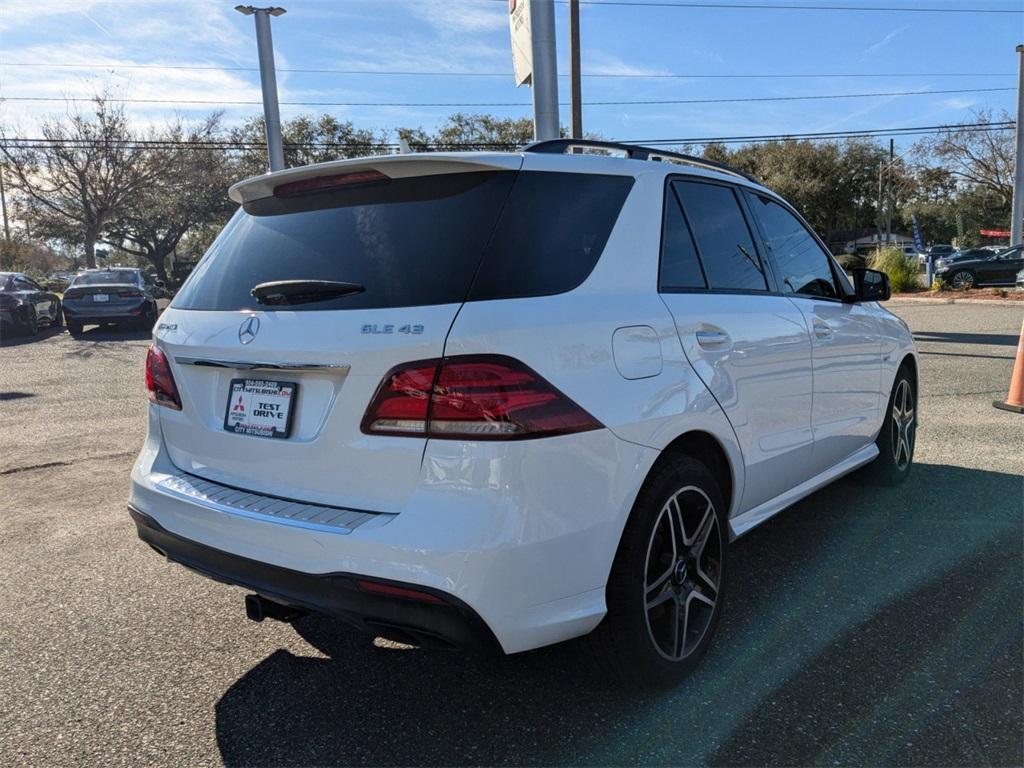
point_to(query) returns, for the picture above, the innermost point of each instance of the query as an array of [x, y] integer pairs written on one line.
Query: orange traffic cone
[[1015, 400]]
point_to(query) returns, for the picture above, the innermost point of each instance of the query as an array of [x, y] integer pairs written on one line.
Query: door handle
[[710, 339], [822, 330]]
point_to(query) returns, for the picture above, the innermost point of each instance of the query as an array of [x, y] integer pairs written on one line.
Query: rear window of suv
[[416, 241]]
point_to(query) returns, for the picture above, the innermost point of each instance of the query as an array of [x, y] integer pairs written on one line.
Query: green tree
[[307, 139], [466, 131]]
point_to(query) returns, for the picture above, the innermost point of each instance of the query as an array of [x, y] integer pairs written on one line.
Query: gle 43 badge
[[387, 328]]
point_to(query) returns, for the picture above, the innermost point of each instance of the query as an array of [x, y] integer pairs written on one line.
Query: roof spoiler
[[392, 166]]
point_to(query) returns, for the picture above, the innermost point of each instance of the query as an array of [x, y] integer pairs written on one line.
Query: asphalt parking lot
[[864, 626]]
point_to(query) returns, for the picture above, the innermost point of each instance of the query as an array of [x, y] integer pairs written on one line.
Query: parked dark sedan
[[25, 305], [998, 269], [118, 295]]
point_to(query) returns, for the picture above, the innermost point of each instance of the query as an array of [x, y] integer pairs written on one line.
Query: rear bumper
[[87, 313], [518, 537], [445, 622]]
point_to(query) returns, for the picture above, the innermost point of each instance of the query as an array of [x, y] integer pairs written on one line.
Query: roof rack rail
[[633, 152]]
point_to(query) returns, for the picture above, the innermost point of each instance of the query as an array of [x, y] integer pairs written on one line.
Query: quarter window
[[723, 238], [803, 267], [680, 267]]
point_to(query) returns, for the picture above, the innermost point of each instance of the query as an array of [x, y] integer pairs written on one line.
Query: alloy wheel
[[682, 573], [903, 424], [963, 280]]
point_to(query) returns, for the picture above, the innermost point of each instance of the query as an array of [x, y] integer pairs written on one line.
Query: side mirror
[[160, 283], [871, 285]]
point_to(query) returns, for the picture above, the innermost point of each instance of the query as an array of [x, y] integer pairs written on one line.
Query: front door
[[846, 345]]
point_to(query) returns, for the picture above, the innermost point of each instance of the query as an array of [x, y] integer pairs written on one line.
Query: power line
[[412, 73], [785, 7], [224, 144], [642, 102], [1004, 125]]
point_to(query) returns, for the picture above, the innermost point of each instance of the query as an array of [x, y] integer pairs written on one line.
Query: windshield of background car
[[6, 281], [111, 277], [416, 241]]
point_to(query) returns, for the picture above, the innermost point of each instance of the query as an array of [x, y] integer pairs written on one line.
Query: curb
[[989, 302]]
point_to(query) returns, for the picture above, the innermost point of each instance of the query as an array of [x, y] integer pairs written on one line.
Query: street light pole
[[1017, 209], [268, 81], [545, 70]]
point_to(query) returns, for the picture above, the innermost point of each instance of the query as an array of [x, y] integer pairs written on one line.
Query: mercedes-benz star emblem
[[250, 327]]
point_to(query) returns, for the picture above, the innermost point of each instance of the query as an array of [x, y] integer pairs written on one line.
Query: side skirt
[[752, 518]]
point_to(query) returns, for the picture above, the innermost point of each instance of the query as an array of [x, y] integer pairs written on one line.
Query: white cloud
[[460, 16]]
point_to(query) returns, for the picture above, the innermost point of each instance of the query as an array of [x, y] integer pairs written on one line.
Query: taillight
[[159, 380], [472, 397]]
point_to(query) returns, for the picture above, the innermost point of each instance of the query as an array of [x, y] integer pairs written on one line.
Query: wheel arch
[[706, 448]]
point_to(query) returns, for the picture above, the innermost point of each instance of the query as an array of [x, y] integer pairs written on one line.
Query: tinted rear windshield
[[416, 241], [113, 277]]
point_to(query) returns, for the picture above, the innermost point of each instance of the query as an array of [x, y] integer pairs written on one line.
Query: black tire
[[649, 597], [898, 435], [75, 329], [58, 317], [31, 324], [961, 280]]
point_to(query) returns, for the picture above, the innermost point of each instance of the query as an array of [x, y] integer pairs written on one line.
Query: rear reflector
[[326, 183], [393, 591], [159, 380], [472, 397]]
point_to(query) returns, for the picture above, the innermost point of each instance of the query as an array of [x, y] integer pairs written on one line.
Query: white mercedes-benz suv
[[508, 399]]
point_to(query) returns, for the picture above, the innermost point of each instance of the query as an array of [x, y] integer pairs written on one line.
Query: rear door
[[410, 233], [749, 345], [846, 342]]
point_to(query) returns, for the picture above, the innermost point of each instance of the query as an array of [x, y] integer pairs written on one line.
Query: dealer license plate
[[260, 407]]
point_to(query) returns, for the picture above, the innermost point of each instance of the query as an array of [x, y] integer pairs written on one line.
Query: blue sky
[[909, 50]]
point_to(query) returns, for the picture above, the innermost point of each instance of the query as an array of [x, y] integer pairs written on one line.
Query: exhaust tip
[[258, 608], [254, 608]]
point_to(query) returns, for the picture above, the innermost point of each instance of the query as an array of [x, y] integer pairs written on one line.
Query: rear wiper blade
[[278, 292]]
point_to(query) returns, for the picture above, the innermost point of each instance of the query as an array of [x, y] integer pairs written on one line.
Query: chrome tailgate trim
[[271, 509]]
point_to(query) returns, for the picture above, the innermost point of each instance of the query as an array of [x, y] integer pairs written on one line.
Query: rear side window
[[409, 242], [723, 238], [680, 266], [803, 268], [551, 234]]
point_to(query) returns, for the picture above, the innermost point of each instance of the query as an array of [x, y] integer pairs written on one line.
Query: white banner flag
[[522, 46]]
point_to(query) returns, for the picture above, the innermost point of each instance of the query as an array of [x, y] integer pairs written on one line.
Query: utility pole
[[891, 191], [268, 81], [3, 205], [575, 87], [881, 215], [1017, 210], [545, 70]]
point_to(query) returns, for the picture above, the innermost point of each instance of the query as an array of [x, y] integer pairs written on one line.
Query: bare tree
[[83, 172], [187, 183], [981, 156]]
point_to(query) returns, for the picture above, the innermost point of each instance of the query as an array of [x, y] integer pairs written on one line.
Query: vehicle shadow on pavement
[[993, 339], [864, 625], [11, 338]]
